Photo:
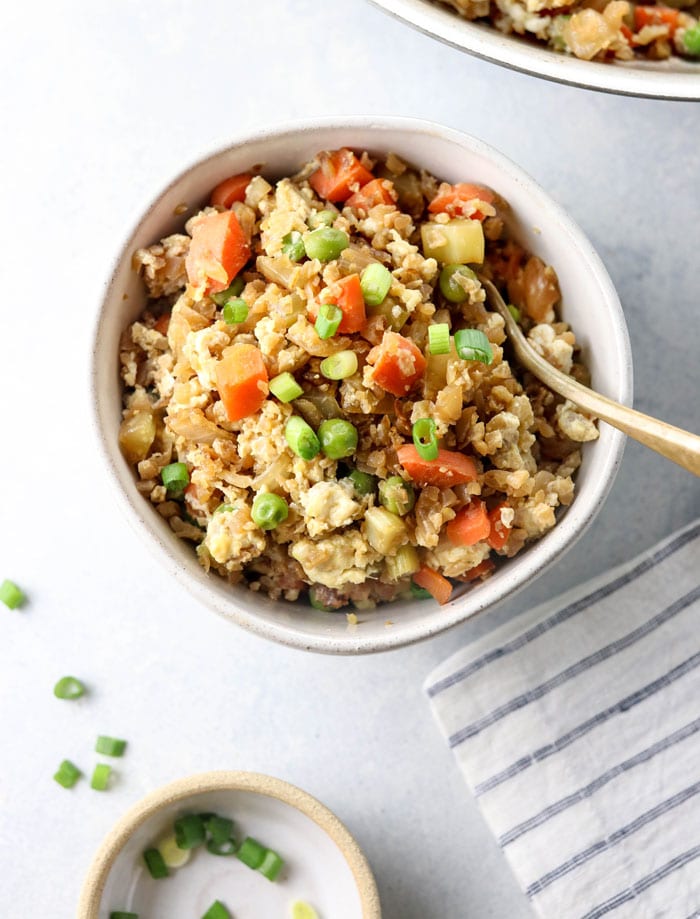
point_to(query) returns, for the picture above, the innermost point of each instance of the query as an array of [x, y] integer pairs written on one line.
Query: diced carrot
[[397, 362], [230, 190], [241, 379], [161, 324], [499, 534], [450, 467], [470, 526], [378, 191], [217, 253], [432, 581], [627, 32], [457, 199], [346, 294], [655, 16], [482, 570], [340, 173]]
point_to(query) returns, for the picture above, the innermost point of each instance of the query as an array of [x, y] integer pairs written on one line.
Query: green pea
[[325, 243], [451, 289], [338, 438], [397, 495], [363, 482], [322, 219], [269, 510], [293, 246]]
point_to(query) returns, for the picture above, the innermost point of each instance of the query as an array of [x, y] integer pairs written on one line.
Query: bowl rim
[[559, 539], [491, 45], [226, 780]]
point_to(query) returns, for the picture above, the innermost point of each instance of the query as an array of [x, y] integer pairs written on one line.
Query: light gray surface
[[100, 103]]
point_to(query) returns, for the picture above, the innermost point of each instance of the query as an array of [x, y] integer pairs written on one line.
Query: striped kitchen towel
[[577, 727]]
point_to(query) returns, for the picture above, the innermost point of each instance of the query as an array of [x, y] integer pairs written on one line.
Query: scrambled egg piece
[[328, 506], [233, 539], [455, 560], [337, 560]]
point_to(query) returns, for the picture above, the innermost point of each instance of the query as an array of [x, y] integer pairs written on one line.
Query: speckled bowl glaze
[[674, 78], [324, 866], [590, 305]]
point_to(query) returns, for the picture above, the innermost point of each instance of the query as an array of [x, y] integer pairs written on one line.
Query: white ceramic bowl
[[590, 305], [671, 79], [324, 866]]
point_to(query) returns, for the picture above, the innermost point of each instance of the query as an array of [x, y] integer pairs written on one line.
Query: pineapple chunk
[[384, 531], [459, 242], [136, 436]]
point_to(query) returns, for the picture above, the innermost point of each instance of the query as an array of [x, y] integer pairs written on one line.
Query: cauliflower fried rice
[[368, 519]]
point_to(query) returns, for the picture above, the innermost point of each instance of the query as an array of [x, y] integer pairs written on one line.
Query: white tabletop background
[[100, 103]]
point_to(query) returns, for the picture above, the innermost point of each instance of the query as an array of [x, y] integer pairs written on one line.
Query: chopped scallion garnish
[[329, 318], [285, 387], [324, 218], [233, 291], [235, 311], [110, 746], [155, 864], [439, 338], [100, 777], [293, 246], [176, 478], [68, 687], [473, 345], [67, 774], [375, 283], [425, 439], [189, 831], [338, 366], [302, 438], [219, 829], [11, 595]]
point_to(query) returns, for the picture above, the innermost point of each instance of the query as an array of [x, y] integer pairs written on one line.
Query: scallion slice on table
[[375, 283], [176, 478], [425, 439], [67, 774], [473, 345], [293, 246], [439, 338], [155, 864], [234, 290], [189, 831], [11, 595], [69, 687], [235, 311], [100, 777], [269, 510], [302, 438], [173, 855], [285, 387], [338, 366], [110, 746], [217, 911], [329, 318]]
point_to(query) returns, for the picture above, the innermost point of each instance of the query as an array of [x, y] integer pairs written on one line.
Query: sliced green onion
[[439, 338], [375, 283], [338, 366], [69, 687], [11, 595], [325, 243], [301, 438], [217, 911], [219, 829], [329, 318], [338, 438], [318, 604], [363, 482], [323, 218], [271, 866], [176, 478], [100, 777], [110, 746], [419, 593], [285, 387], [234, 290], [473, 345], [293, 246], [251, 853], [120, 914], [691, 40], [269, 510], [397, 495], [514, 312], [235, 311], [425, 438], [189, 831], [155, 864], [303, 910], [224, 509], [450, 287], [173, 855], [405, 562], [67, 774]]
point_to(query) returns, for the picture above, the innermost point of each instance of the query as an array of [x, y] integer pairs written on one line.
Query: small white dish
[[590, 305], [324, 866], [674, 78]]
